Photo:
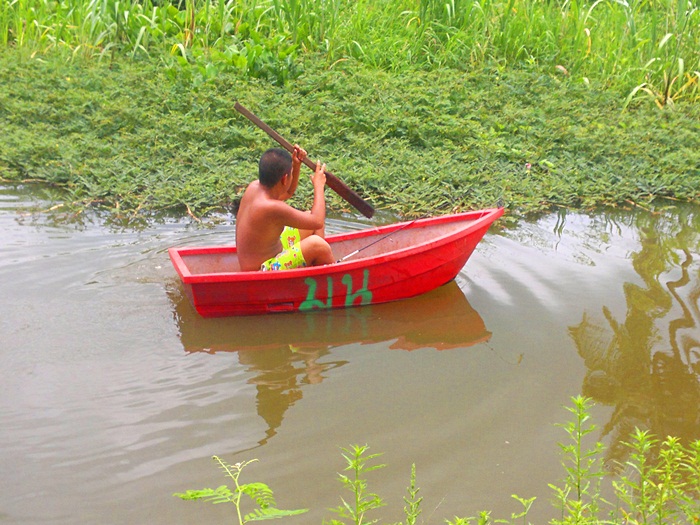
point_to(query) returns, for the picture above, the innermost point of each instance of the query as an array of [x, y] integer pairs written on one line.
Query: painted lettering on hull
[[361, 296]]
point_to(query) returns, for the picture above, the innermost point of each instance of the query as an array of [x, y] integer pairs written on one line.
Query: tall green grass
[[637, 47]]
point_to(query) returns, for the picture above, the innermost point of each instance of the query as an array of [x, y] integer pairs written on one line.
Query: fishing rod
[[375, 242]]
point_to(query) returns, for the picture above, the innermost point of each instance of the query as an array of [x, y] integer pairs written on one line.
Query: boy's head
[[274, 164]]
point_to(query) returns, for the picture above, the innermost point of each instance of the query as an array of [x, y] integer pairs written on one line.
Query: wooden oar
[[332, 181]]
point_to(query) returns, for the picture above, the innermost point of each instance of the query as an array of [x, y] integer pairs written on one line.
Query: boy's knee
[[319, 241], [317, 250]]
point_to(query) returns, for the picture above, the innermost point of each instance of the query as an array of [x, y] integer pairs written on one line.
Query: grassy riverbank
[[136, 114], [131, 137]]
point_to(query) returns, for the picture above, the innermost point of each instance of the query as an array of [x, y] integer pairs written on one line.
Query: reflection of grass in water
[[647, 365], [659, 483]]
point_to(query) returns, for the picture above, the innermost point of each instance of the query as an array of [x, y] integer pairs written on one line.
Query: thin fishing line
[[375, 242]]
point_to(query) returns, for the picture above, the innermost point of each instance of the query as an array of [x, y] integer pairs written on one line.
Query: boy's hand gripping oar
[[334, 182]]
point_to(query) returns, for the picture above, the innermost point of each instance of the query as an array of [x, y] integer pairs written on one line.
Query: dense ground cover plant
[[128, 137], [658, 484], [424, 106]]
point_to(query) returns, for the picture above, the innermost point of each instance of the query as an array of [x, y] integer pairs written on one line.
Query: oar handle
[[332, 181]]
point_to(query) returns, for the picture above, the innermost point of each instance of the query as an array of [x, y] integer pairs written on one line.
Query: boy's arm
[[312, 220], [298, 156], [318, 209]]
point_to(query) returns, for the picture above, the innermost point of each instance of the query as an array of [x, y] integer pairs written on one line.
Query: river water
[[115, 394]]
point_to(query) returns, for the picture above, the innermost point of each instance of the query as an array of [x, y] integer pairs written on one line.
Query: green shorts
[[290, 257]]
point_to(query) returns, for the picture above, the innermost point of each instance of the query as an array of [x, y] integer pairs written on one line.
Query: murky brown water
[[115, 393]]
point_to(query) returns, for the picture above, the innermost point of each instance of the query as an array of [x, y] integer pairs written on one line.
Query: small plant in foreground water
[[259, 493], [579, 497], [412, 508], [484, 517], [658, 484], [363, 501]]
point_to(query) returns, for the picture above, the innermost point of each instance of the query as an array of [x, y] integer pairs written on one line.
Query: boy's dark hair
[[273, 164]]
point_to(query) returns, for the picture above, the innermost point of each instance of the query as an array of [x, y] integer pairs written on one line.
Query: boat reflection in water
[[282, 352], [441, 319]]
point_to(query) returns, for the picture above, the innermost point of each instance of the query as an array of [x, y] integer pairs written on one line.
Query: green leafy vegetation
[[363, 501], [659, 483], [422, 106], [259, 493], [651, 45], [129, 138]]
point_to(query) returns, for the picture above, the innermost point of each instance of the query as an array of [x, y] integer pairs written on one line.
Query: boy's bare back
[[257, 230]]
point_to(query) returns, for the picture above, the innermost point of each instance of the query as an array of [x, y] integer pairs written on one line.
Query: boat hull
[[407, 259]]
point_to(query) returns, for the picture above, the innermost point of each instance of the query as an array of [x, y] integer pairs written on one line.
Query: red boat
[[376, 265]]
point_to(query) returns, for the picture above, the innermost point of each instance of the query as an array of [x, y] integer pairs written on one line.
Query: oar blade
[[332, 181]]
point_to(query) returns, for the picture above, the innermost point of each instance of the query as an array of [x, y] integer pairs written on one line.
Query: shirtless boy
[[272, 235]]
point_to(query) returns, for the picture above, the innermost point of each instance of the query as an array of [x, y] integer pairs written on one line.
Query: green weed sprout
[[484, 517], [412, 508], [259, 493], [580, 496], [363, 501], [660, 481]]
